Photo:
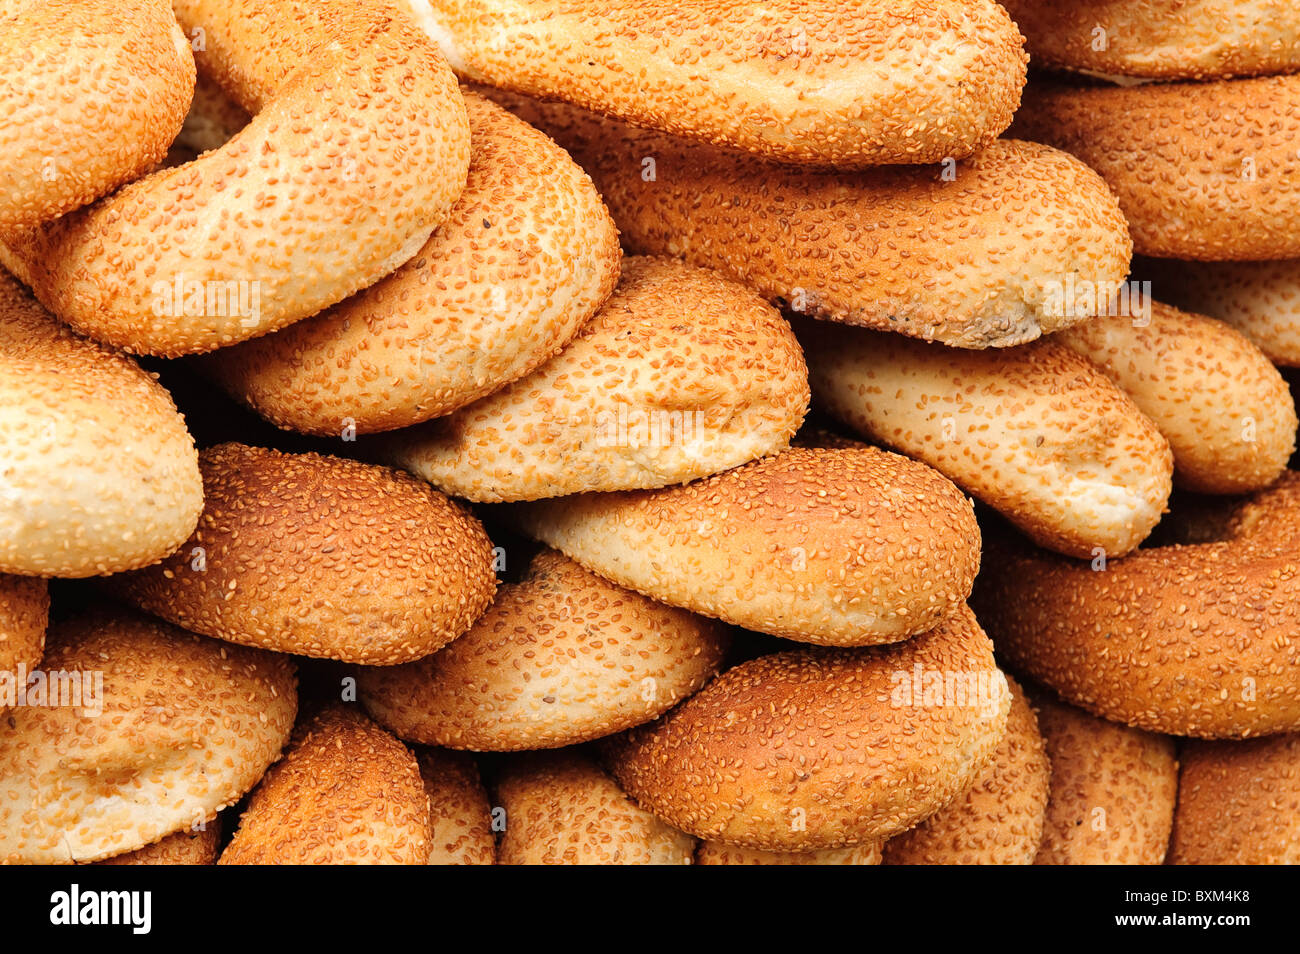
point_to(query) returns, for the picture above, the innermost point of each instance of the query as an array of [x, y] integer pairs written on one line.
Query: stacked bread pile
[[417, 394]]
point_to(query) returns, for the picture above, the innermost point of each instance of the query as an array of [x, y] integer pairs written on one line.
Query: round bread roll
[[560, 658], [1185, 640], [24, 609], [1162, 39], [1113, 790], [185, 847], [357, 149], [346, 793], [476, 308], [716, 853], [93, 92], [682, 374], [799, 80], [460, 827], [999, 821], [838, 547], [99, 474], [821, 748], [1238, 803], [967, 253], [155, 730], [561, 809], [321, 556], [1205, 171], [1036, 432], [1259, 299], [1226, 412]]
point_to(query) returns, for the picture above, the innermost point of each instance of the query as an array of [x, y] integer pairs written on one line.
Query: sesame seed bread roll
[[24, 612], [345, 793], [561, 658], [1259, 299], [1189, 639], [1226, 412], [1161, 39], [562, 809], [805, 81], [460, 828], [716, 853], [682, 374], [321, 556], [1113, 790], [1037, 432], [1236, 200], [93, 93], [1238, 803], [838, 547], [357, 149], [823, 748], [98, 473], [964, 253], [527, 256], [999, 820], [179, 728], [185, 847]]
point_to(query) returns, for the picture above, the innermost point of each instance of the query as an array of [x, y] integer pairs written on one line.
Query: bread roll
[[99, 473], [156, 730], [974, 253], [1226, 412], [1113, 790], [682, 374], [346, 792], [999, 820], [562, 809], [321, 556], [820, 748], [1238, 803], [1185, 640], [840, 547], [1036, 432], [560, 658], [798, 80], [525, 258]]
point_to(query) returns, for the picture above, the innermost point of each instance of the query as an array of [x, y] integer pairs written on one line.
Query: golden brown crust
[[821, 748], [807, 81], [999, 820], [1161, 39], [346, 792], [960, 253], [562, 809], [526, 256], [1226, 412], [99, 474], [188, 725], [1259, 299], [1113, 790], [460, 826], [1036, 432], [321, 556], [839, 547], [93, 94], [1186, 640], [716, 853], [560, 658], [1238, 803], [1204, 171], [185, 847], [682, 374], [358, 147], [24, 608]]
